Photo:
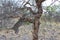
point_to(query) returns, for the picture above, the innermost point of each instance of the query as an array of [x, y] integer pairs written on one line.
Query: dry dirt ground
[[47, 31]]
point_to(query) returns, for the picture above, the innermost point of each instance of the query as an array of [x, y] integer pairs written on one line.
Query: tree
[[34, 20]]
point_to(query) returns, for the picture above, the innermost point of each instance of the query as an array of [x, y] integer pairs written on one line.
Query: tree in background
[[52, 13]]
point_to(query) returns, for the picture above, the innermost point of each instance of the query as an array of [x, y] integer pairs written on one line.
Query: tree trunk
[[36, 20], [35, 29]]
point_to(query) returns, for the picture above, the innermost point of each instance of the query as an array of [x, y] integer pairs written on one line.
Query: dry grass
[[48, 31]]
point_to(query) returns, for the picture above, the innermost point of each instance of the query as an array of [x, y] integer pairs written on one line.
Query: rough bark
[[36, 20], [35, 29]]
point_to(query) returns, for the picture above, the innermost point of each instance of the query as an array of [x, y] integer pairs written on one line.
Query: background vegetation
[[49, 29]]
